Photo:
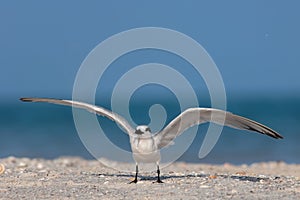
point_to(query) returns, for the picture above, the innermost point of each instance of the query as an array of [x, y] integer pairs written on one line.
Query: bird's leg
[[158, 175], [136, 174]]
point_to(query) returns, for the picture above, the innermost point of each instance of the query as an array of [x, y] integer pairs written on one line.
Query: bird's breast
[[143, 145], [145, 150]]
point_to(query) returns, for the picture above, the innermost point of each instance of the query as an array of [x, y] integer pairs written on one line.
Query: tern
[[146, 146]]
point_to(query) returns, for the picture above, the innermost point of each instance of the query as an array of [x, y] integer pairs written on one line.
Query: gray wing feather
[[196, 116], [91, 108]]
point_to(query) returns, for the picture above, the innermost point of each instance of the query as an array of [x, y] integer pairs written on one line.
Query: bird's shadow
[[245, 178], [166, 177]]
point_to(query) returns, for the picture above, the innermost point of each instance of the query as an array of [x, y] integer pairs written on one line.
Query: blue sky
[[255, 44]]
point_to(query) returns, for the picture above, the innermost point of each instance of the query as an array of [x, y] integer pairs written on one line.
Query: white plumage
[[146, 146]]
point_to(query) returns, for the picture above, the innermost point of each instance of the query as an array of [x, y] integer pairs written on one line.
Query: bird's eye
[[148, 129]]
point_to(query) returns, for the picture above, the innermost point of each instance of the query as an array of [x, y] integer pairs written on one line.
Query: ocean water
[[48, 131]]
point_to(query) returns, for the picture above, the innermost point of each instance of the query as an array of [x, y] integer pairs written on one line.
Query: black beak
[[139, 132]]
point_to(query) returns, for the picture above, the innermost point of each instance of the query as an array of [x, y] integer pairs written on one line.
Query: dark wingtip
[[26, 99], [279, 137], [270, 132], [276, 135]]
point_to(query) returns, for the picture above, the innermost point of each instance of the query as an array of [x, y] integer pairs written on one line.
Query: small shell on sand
[[2, 168]]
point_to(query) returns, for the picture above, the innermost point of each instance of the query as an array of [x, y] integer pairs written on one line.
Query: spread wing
[[91, 108], [196, 116]]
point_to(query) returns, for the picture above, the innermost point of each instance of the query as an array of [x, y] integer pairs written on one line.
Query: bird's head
[[142, 129]]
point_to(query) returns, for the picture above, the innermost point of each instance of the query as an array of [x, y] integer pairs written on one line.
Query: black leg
[[158, 175], [136, 174]]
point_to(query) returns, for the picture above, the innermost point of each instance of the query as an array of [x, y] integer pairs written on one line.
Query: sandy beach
[[76, 178]]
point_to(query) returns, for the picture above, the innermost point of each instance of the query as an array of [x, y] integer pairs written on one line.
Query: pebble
[[40, 166], [204, 186], [2, 168], [22, 165], [261, 176], [241, 173], [201, 183], [233, 191], [212, 176]]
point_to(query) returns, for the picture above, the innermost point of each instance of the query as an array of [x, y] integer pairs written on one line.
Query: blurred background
[[255, 45]]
